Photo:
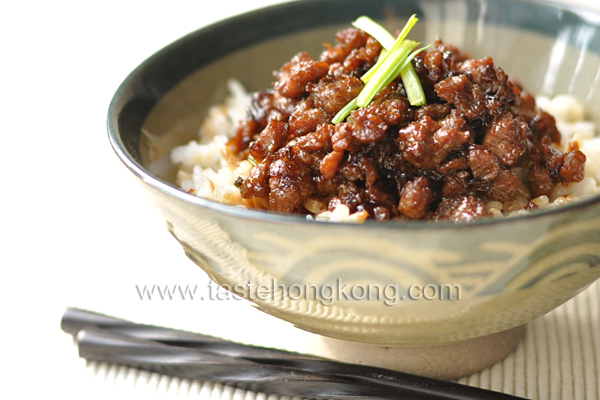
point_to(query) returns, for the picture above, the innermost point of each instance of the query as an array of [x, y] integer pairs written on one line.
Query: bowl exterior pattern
[[506, 272]]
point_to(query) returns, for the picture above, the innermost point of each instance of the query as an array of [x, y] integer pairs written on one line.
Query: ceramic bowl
[[509, 271]]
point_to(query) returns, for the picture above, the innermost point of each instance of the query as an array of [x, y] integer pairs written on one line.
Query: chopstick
[[161, 343], [102, 345]]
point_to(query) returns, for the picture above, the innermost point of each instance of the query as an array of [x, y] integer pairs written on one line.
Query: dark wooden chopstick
[[103, 345], [158, 340]]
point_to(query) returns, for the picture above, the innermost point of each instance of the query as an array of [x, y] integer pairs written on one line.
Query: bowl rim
[[263, 216]]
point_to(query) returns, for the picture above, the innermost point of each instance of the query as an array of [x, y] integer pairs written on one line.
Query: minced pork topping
[[479, 138]]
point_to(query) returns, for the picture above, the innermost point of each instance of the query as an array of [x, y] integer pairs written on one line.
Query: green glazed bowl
[[510, 271]]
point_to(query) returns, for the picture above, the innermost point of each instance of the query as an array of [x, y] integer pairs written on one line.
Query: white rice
[[204, 171]]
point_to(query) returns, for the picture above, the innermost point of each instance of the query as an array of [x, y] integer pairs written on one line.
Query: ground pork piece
[[329, 164], [543, 124], [438, 67], [268, 105], [333, 93], [415, 198], [348, 39], [325, 188], [305, 119], [372, 49], [493, 80], [540, 180], [378, 196], [452, 53], [526, 107], [271, 139], [308, 158], [416, 141], [460, 209], [573, 168], [257, 183], [342, 137], [290, 183], [387, 157], [370, 170], [350, 195], [351, 171], [459, 162], [358, 61], [353, 137], [457, 122], [540, 122], [469, 99], [391, 111], [426, 144], [319, 140], [456, 183], [295, 75], [506, 138], [483, 164], [434, 65], [504, 187], [368, 127], [436, 111], [548, 166], [244, 135], [544, 153], [447, 140]]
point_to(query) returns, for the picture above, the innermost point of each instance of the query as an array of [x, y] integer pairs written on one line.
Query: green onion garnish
[[412, 84], [395, 59], [377, 31], [344, 112], [385, 73], [388, 42]]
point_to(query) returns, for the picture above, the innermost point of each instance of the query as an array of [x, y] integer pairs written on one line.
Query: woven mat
[[559, 359]]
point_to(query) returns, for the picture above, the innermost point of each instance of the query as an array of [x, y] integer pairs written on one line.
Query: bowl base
[[448, 362]]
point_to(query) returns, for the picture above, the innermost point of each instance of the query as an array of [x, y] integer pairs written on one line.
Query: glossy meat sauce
[[441, 161]]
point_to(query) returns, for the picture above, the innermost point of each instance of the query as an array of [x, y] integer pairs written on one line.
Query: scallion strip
[[395, 59], [344, 112], [375, 30], [412, 84], [385, 74], [387, 41], [408, 60]]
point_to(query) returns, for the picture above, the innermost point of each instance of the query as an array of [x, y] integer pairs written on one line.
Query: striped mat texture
[[559, 359]]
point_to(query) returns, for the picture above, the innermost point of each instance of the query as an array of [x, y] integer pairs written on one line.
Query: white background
[[76, 230]]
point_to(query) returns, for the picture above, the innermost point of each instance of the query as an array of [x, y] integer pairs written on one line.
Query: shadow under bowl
[[497, 274]]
